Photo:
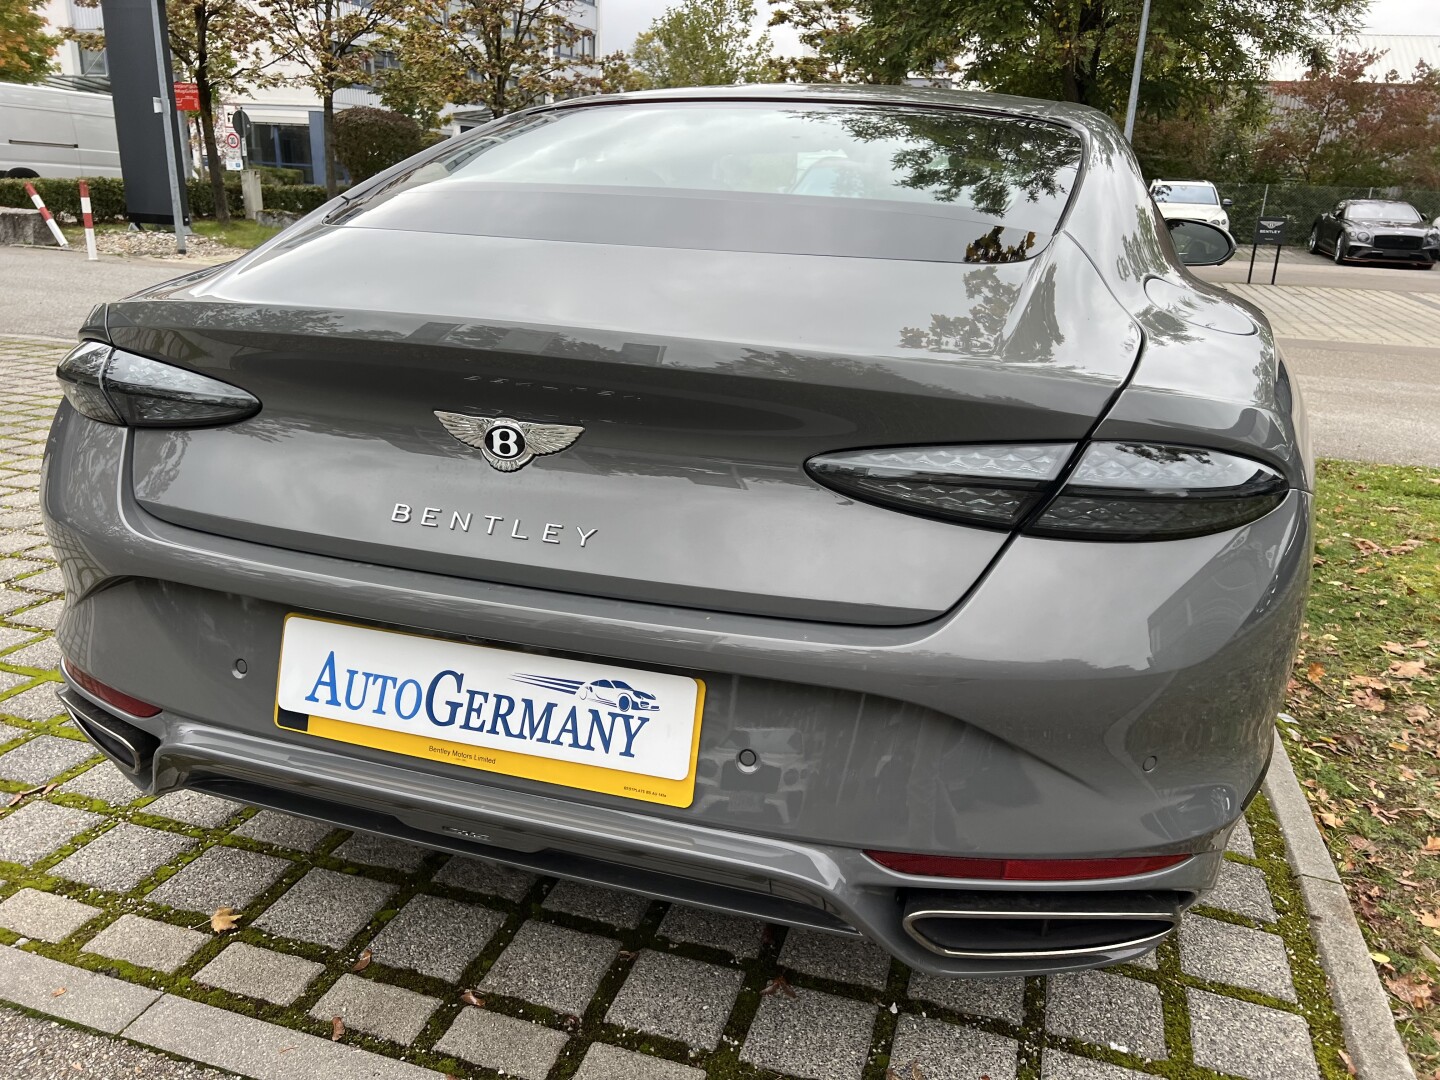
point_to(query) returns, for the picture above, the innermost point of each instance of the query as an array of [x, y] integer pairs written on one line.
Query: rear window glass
[[806, 179]]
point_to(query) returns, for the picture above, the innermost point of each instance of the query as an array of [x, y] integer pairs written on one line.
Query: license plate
[[621, 731]]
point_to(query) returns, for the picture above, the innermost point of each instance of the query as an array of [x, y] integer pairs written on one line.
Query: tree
[[702, 43], [1337, 127], [1071, 50], [215, 45], [503, 54], [619, 76], [329, 40], [25, 47], [368, 141]]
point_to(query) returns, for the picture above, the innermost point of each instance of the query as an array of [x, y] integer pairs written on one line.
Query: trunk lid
[[703, 381]]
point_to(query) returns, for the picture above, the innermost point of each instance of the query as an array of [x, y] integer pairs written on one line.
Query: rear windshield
[[1381, 211], [1171, 192], [878, 181]]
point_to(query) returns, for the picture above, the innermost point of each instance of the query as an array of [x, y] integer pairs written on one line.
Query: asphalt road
[[45, 292], [1370, 402]]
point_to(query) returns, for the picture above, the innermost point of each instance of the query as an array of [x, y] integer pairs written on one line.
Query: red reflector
[[1022, 869], [108, 694]]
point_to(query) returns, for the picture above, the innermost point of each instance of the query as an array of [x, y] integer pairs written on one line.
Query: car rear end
[[907, 576]]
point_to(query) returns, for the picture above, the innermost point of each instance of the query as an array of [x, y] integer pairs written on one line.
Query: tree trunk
[[212, 148], [332, 182]]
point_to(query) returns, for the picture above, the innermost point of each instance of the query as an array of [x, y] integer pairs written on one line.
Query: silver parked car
[[837, 505]]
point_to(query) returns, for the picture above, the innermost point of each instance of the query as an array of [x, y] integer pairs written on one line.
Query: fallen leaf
[[1315, 672], [1414, 990], [1368, 700], [778, 985], [23, 795], [1430, 954], [57, 993], [337, 1028], [1332, 821], [1417, 713], [469, 997], [1394, 647], [224, 919], [1432, 844], [1349, 1065], [1367, 681], [1407, 669], [363, 962], [1379, 958], [1430, 919], [1368, 547]]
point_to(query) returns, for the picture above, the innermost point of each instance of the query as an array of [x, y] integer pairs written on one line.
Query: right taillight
[[1115, 491]]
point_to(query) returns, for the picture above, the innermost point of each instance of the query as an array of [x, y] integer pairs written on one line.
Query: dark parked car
[[1375, 230], [958, 536]]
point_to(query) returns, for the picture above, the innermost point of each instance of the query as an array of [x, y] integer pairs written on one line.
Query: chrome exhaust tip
[[1039, 926], [123, 743]]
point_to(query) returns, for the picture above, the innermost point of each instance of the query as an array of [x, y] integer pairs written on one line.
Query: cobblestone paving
[[1360, 316], [574, 981]]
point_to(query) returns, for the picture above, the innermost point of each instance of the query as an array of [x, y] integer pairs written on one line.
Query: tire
[[1314, 242], [625, 703], [22, 173], [1339, 252]]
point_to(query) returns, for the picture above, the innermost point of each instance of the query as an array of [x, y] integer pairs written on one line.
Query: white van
[[47, 131]]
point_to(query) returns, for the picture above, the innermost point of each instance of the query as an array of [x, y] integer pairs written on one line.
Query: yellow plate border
[[625, 785]]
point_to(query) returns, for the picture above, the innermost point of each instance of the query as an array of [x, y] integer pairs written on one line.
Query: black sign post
[[1268, 230]]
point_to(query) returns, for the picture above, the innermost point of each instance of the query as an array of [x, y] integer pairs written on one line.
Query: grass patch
[[240, 233], [1366, 736]]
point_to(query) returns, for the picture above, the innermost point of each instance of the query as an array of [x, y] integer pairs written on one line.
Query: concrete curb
[[1360, 1000]]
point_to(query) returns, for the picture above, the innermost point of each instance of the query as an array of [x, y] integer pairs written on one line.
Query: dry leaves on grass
[[1315, 672], [224, 919], [43, 789], [337, 1029], [1414, 990], [1407, 669], [1368, 699], [363, 962], [1430, 919]]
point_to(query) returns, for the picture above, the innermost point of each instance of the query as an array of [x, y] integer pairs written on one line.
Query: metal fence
[[1301, 204]]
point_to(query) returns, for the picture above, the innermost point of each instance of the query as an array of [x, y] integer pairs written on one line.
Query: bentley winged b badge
[[508, 444]]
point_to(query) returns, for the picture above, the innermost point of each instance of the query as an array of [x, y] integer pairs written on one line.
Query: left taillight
[[117, 387]]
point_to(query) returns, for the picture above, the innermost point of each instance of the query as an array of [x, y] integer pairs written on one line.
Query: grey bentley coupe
[[835, 505]]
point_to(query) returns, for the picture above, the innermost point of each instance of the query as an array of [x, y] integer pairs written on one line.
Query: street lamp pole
[[1135, 74]]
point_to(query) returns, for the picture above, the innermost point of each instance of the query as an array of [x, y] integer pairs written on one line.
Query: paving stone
[[735, 934], [42, 758], [371, 850], [1243, 890], [147, 943], [325, 908], [50, 581], [1058, 1065], [221, 877], [830, 956], [812, 1035], [37, 703], [509, 1046], [552, 966], [479, 875], [1242, 1039], [1220, 952], [940, 1051], [12, 568], [38, 828], [998, 999], [43, 915], [1107, 1010], [91, 999], [610, 906], [436, 937], [260, 973], [9, 679], [388, 1012], [104, 782], [45, 616], [606, 1062], [194, 808], [10, 636], [122, 857], [677, 998], [10, 599], [1241, 840], [13, 542], [285, 830], [44, 655], [256, 1048]]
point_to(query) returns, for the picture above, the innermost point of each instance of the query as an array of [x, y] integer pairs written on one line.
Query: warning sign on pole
[[232, 147]]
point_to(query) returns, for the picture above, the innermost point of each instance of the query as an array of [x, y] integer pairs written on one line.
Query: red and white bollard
[[89, 220], [49, 217]]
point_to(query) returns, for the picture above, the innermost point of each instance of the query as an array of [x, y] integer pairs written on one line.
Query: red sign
[[187, 97]]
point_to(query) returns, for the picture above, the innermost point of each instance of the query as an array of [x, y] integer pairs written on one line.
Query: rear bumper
[[1086, 700]]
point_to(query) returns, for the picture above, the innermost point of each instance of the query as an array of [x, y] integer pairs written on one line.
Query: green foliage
[[702, 43], [25, 47], [368, 141], [273, 175], [107, 196]]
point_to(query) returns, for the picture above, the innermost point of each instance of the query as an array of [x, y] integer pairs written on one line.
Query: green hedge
[[1301, 204], [107, 196]]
